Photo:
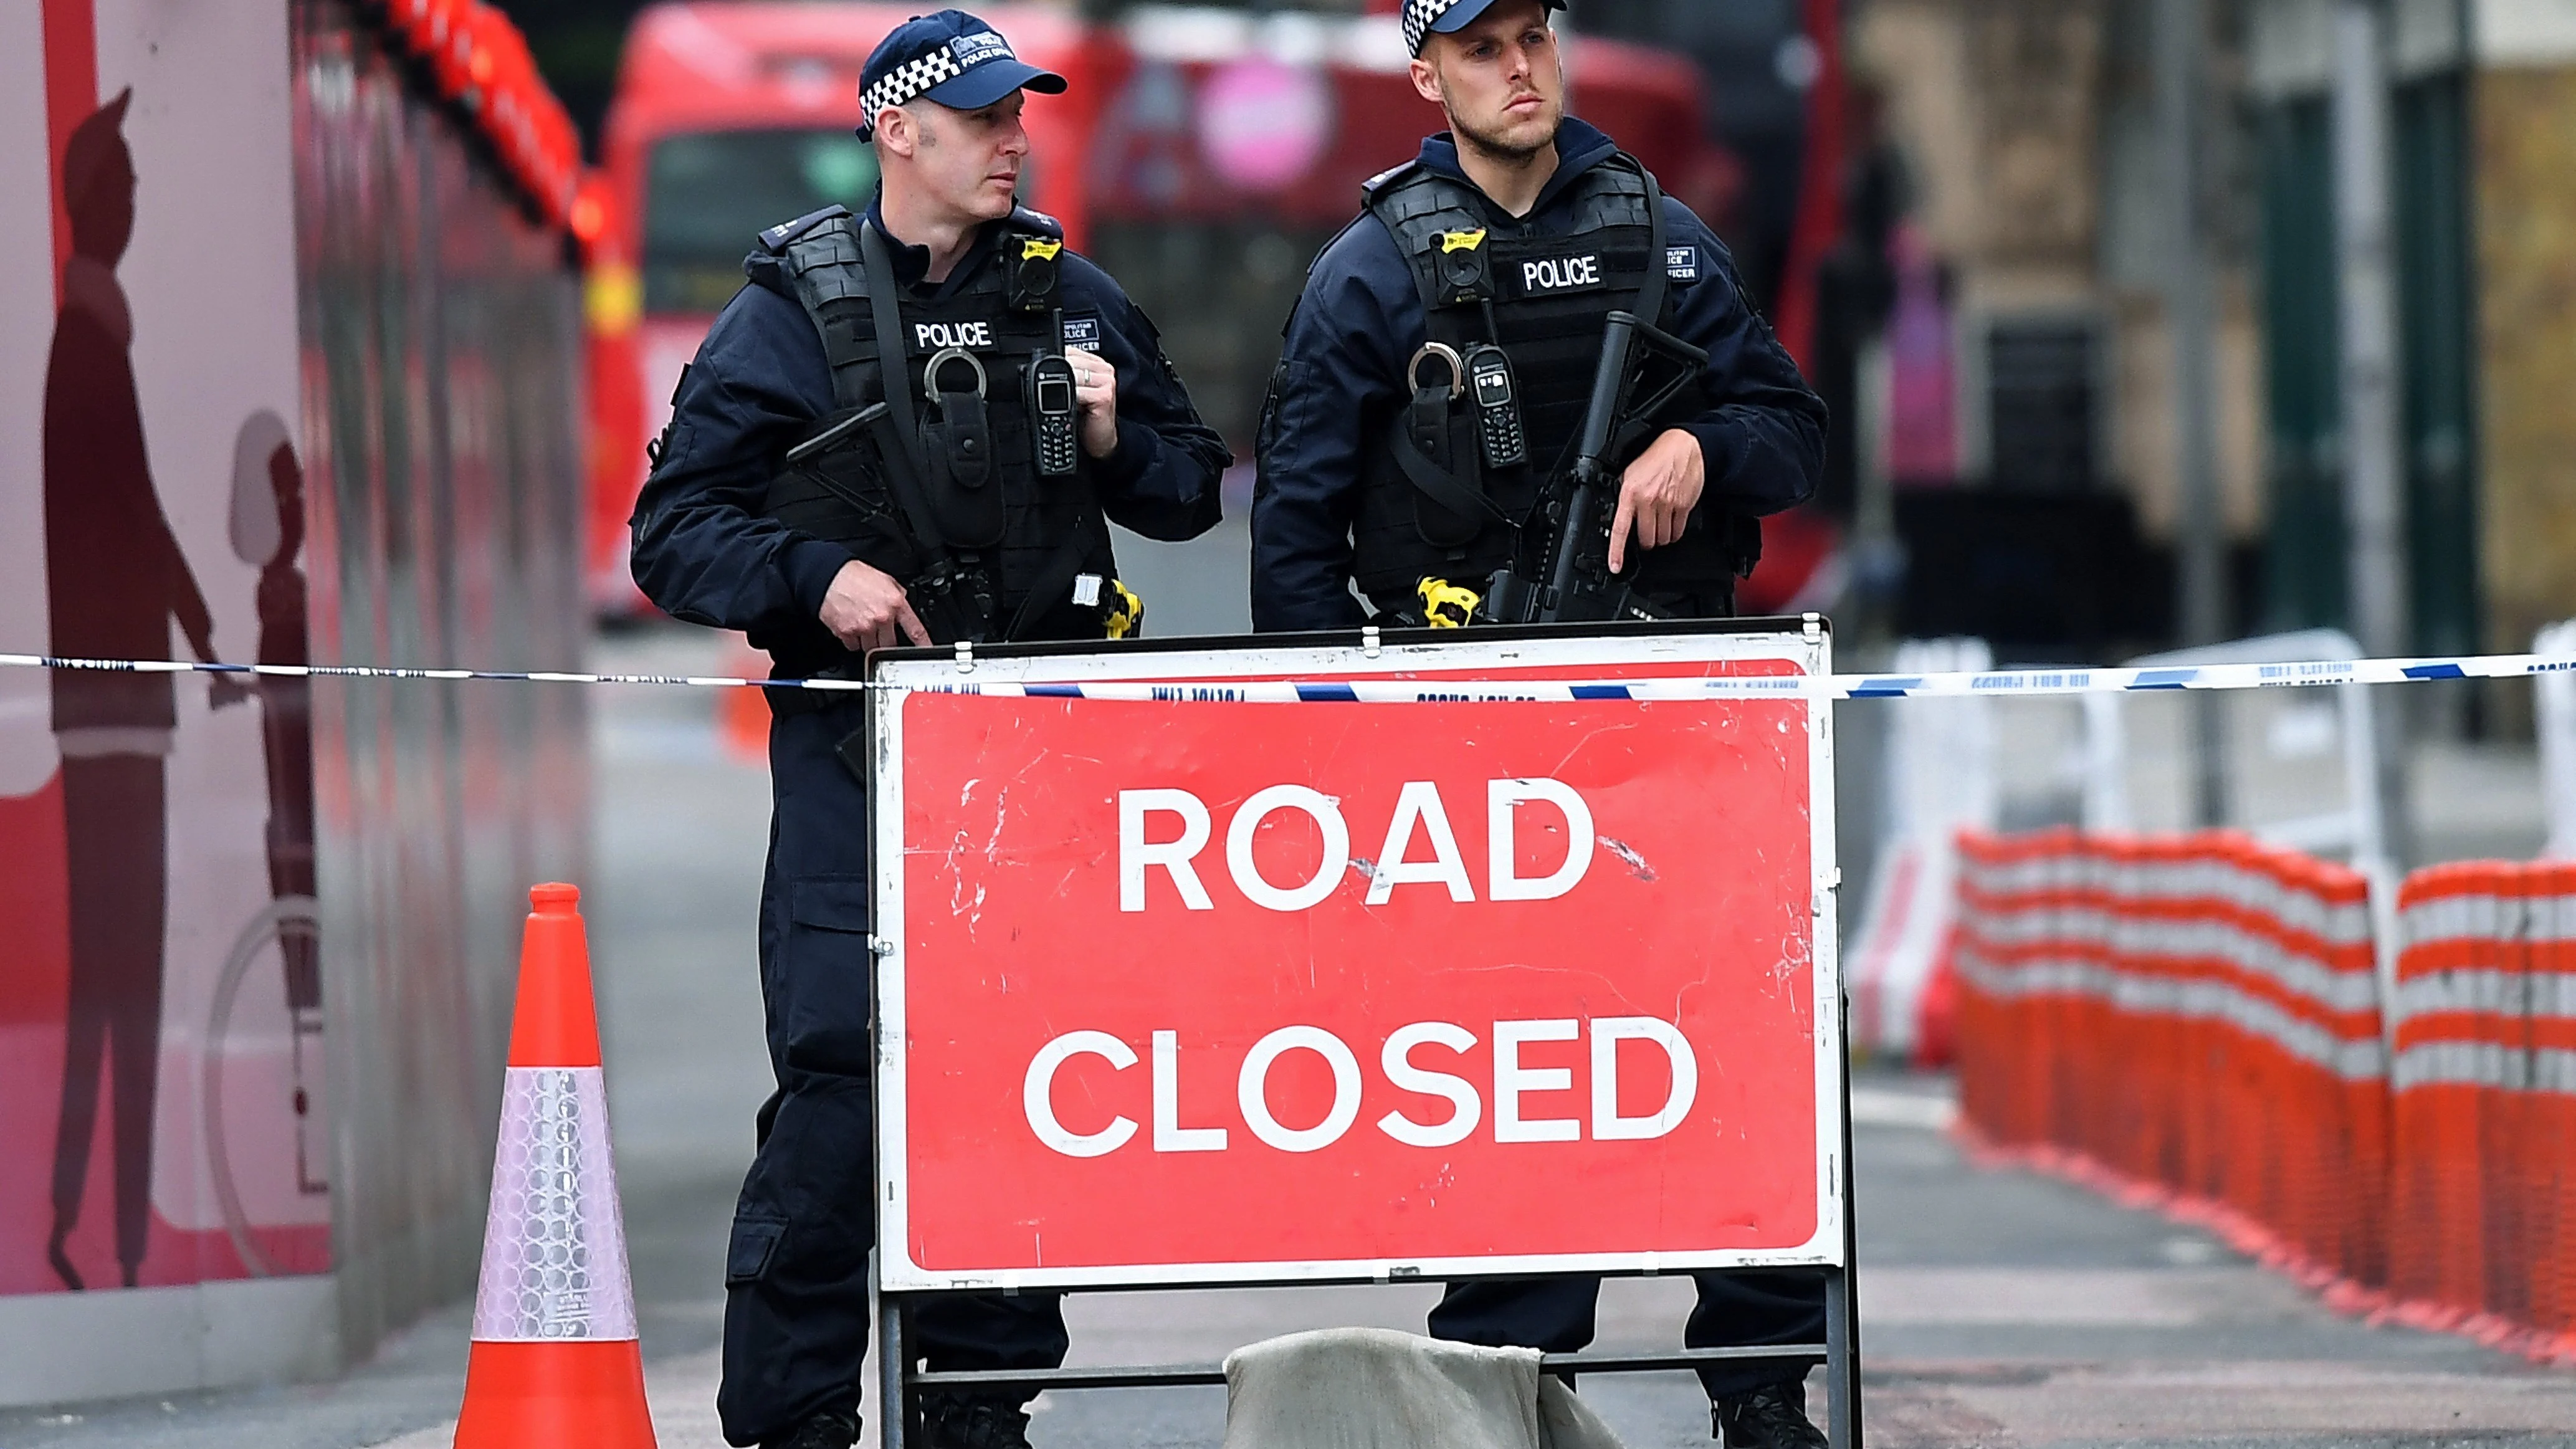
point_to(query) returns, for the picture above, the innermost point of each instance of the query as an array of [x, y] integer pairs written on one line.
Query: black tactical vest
[[1024, 541], [1543, 299]]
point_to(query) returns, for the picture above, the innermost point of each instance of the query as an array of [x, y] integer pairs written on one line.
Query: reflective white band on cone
[[554, 1247]]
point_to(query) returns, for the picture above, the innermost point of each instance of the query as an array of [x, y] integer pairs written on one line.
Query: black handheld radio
[[1498, 409], [1053, 415]]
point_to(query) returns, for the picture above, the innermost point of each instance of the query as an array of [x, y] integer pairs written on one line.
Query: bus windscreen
[[707, 194]]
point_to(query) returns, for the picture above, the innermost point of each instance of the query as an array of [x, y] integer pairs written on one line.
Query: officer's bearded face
[[966, 163], [1501, 80]]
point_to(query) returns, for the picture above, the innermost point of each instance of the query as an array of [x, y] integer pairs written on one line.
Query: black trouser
[[1554, 1315], [796, 1270]]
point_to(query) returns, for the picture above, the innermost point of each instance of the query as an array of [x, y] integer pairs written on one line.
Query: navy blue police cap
[[950, 57], [1426, 18]]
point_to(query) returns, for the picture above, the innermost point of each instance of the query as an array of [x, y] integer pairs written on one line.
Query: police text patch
[[1082, 332], [929, 336], [1561, 274], [1682, 263]]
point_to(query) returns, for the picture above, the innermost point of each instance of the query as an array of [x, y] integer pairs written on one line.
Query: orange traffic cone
[[555, 1358]]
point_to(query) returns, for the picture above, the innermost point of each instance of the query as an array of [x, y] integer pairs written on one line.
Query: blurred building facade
[[2041, 179], [2027, 128]]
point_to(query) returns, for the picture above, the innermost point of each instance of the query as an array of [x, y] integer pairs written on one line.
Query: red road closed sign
[[1184, 991]]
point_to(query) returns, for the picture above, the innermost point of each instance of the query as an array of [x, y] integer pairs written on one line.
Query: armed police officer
[[913, 426], [1426, 440]]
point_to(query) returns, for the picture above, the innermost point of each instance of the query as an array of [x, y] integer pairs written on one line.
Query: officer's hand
[[866, 608], [1657, 494], [1095, 391]]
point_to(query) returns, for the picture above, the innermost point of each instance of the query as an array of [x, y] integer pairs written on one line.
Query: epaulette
[[1036, 223], [1375, 184], [775, 241]]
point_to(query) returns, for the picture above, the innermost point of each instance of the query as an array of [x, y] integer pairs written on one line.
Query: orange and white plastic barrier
[[2196, 1023], [2484, 1201], [2191, 1022]]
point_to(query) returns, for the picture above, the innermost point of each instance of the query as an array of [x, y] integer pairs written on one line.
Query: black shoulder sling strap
[[895, 369], [1442, 488], [1659, 261]]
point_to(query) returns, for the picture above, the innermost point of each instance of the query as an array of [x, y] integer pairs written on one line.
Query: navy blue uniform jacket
[[1341, 383], [704, 553]]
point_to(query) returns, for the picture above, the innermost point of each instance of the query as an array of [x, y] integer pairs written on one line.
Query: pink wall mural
[[161, 1105]]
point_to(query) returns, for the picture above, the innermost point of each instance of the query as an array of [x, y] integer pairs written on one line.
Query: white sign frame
[[1806, 645]]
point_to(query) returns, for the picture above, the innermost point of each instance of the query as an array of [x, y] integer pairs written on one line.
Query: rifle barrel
[[1609, 388]]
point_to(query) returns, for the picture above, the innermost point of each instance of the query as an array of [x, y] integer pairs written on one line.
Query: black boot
[[831, 1429], [1773, 1416], [973, 1421]]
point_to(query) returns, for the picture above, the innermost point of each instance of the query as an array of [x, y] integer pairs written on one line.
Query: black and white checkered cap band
[[1421, 15], [909, 81], [1418, 15]]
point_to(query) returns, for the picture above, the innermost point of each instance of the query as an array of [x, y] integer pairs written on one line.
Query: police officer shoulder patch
[[1082, 332], [775, 240], [1375, 184], [1681, 264], [1029, 219]]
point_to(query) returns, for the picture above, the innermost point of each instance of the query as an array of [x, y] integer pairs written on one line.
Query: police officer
[[1521, 230], [910, 426]]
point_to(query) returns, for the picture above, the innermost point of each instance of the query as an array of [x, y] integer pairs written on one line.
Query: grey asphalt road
[[1999, 1309]]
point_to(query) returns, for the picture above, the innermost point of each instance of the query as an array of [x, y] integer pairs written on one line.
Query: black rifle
[[1567, 578], [954, 601]]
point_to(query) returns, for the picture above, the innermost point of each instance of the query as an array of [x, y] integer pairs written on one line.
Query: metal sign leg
[[1842, 1298], [1842, 1377], [894, 1358]]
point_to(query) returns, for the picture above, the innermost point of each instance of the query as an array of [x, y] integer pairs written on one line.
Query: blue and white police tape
[[2003, 683]]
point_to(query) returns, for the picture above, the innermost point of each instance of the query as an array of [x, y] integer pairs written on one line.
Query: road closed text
[[1148, 840], [1532, 1096]]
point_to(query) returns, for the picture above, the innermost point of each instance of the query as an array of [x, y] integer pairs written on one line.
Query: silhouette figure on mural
[[115, 578], [267, 534]]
